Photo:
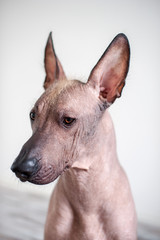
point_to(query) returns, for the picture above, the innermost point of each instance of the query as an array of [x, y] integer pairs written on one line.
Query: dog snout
[[25, 168]]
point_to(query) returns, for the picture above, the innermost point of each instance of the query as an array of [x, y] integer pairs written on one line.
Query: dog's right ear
[[53, 67]]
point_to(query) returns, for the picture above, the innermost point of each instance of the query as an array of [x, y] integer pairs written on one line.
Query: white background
[[81, 31]]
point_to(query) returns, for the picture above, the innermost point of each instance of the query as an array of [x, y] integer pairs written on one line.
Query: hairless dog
[[73, 137]]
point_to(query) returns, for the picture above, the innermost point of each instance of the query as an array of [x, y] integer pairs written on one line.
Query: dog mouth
[[44, 175], [37, 172], [47, 175]]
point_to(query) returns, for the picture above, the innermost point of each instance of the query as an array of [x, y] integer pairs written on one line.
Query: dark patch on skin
[[104, 105]]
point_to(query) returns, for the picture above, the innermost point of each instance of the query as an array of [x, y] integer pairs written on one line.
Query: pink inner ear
[[110, 72], [108, 85]]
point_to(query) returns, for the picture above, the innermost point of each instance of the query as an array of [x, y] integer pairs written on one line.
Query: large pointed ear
[[108, 76], [53, 67]]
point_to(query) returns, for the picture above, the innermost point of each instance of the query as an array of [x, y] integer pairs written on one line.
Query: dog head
[[66, 118]]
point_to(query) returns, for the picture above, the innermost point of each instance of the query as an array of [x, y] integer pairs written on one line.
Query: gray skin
[[73, 137]]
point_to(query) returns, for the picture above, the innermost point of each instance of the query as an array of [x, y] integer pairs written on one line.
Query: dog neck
[[84, 180]]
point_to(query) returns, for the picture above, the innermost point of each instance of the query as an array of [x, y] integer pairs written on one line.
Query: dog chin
[[42, 181], [45, 175]]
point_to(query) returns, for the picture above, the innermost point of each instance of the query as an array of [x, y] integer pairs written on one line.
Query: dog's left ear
[[53, 67], [108, 76]]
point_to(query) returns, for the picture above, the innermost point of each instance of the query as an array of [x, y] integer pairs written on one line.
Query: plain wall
[[81, 31]]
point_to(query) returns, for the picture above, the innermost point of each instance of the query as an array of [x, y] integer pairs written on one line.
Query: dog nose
[[25, 169]]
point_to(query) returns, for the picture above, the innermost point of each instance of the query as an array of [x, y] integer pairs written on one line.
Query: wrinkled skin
[[73, 137]]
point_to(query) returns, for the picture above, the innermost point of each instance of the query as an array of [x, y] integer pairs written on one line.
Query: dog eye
[[32, 115], [67, 121]]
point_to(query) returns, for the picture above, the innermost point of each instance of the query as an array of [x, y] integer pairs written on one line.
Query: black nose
[[25, 169]]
